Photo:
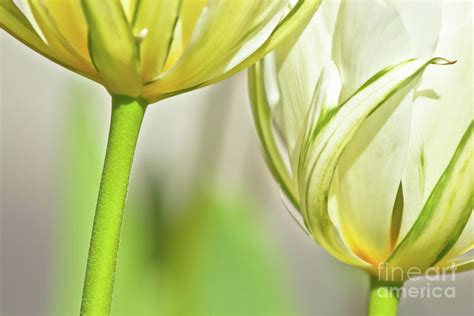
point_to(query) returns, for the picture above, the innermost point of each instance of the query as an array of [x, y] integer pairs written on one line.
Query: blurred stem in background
[[127, 117], [208, 256], [79, 145]]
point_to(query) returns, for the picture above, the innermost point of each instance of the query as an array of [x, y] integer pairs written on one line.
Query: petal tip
[[443, 61]]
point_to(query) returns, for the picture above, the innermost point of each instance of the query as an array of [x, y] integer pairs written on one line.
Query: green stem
[[384, 297], [127, 116]]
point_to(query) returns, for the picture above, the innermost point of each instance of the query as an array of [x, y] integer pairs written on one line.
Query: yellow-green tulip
[[143, 51], [372, 147], [154, 49]]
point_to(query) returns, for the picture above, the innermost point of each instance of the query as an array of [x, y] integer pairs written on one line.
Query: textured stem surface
[[384, 297], [127, 116]]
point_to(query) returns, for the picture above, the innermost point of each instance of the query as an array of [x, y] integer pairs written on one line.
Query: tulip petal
[[288, 106], [370, 172], [326, 94], [371, 168], [129, 7], [262, 114], [158, 19], [363, 46], [292, 25], [220, 32], [331, 136], [68, 20], [112, 46], [190, 12], [445, 214], [300, 67], [61, 24], [15, 23], [465, 243], [458, 265], [442, 111], [422, 20]]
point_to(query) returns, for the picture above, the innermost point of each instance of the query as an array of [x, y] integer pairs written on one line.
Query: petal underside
[[244, 36], [112, 46], [157, 20], [18, 25]]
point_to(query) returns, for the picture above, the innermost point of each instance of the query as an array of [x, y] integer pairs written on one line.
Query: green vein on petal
[[444, 215]]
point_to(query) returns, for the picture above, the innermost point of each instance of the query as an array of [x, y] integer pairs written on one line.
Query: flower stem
[[127, 117], [384, 297]]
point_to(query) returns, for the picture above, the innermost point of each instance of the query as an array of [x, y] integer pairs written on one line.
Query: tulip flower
[[370, 143], [142, 52]]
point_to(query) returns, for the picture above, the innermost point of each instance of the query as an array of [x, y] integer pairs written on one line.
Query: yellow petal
[[54, 35], [156, 20], [188, 16], [292, 25], [129, 7], [112, 46], [15, 23], [190, 12], [69, 20], [224, 28]]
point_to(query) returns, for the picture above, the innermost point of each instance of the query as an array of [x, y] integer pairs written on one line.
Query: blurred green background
[[205, 231]]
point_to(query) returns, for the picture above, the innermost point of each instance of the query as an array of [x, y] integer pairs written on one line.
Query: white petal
[[422, 20], [440, 120], [329, 139], [370, 172], [369, 36], [300, 67], [444, 215]]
